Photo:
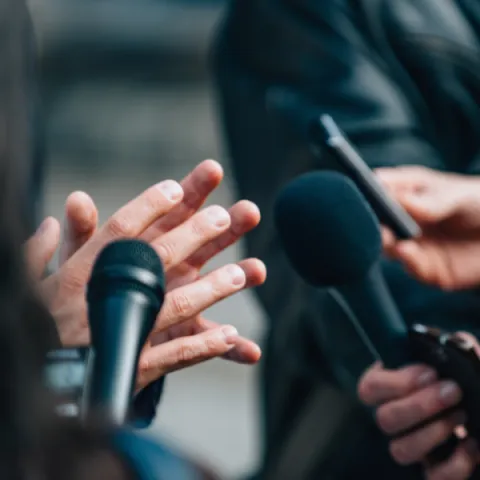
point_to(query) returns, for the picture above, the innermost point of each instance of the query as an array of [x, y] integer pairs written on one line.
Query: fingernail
[[43, 226], [426, 378], [450, 393], [218, 216], [231, 334], [237, 275], [171, 189]]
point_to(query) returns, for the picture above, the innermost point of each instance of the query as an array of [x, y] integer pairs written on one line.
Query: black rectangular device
[[66, 374], [326, 135]]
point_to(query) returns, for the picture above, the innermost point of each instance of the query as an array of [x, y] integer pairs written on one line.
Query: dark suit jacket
[[402, 79]]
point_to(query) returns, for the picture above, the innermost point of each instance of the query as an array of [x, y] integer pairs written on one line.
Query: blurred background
[[128, 102]]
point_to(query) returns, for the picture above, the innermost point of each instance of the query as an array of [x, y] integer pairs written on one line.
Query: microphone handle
[[119, 329], [377, 319]]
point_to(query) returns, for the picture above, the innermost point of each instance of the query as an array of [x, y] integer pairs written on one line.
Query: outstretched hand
[[168, 217]]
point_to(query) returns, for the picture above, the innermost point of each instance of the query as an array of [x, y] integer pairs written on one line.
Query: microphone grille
[[329, 232], [129, 252]]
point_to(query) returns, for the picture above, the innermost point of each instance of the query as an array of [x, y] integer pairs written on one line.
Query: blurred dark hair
[[33, 442]]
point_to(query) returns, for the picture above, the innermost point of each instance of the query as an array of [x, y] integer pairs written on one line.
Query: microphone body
[[121, 318], [376, 317], [123, 303]]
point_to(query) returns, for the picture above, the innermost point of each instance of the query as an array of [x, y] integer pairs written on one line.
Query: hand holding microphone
[[413, 396], [333, 240]]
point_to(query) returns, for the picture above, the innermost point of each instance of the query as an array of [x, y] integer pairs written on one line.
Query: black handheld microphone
[[332, 238], [125, 294]]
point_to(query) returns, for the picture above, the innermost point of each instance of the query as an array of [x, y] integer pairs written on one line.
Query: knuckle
[[166, 253], [457, 470], [445, 282], [385, 417], [367, 389], [401, 452], [422, 408], [119, 227], [144, 365], [73, 278], [186, 353], [182, 306], [199, 226], [211, 346]]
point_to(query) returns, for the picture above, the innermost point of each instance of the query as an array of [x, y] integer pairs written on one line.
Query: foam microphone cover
[[333, 240], [329, 232]]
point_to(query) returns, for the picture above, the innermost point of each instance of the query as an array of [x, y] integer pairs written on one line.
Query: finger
[[417, 261], [470, 341], [245, 351], [245, 216], [81, 219], [40, 248], [181, 242], [459, 466], [183, 352], [405, 178], [430, 207], [399, 415], [128, 222], [378, 385], [414, 447], [388, 241], [185, 302], [255, 272], [197, 186]]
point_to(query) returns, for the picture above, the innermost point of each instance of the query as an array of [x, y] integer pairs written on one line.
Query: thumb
[[429, 207], [81, 219], [40, 248]]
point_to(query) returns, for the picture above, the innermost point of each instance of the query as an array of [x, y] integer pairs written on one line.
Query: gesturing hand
[[447, 208], [166, 216]]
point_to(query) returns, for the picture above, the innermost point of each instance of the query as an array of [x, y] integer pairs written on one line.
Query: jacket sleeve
[[145, 404]]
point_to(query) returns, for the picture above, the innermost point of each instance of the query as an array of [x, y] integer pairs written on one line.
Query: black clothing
[[402, 79]]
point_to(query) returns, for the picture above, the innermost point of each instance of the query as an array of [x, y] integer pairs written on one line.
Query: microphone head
[[128, 264], [329, 232], [134, 253]]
